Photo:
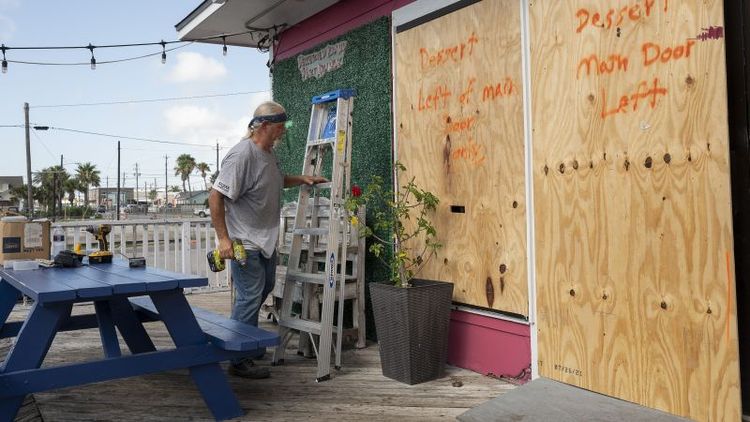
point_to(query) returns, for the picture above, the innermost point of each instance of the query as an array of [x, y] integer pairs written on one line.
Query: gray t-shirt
[[251, 180]]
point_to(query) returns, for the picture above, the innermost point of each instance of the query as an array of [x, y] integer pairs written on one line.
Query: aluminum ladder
[[328, 141]]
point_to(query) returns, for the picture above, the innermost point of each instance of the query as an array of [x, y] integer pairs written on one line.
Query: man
[[245, 204]]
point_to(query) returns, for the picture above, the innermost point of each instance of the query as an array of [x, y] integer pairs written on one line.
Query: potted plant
[[411, 314]]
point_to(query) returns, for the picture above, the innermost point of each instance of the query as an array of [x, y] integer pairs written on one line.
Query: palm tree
[[185, 165], [19, 193], [87, 175], [50, 181], [70, 187], [203, 169]]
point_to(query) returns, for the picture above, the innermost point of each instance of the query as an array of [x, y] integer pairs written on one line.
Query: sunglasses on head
[[270, 118]]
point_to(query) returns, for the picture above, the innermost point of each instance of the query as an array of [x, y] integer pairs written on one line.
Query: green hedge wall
[[366, 68]]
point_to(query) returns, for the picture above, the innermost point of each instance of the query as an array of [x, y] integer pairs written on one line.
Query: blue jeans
[[252, 285]]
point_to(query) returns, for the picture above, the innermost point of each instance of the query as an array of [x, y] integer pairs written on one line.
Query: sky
[[195, 70]]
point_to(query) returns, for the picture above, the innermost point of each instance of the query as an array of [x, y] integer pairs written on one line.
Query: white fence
[[179, 246]]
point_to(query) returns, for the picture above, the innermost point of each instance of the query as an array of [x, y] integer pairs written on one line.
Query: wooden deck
[[357, 392]]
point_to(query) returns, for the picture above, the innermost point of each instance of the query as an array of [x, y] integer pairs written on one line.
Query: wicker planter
[[412, 327]]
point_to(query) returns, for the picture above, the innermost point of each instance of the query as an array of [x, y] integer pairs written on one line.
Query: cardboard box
[[24, 240]]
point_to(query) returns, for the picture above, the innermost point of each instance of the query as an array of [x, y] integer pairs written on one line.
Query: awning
[[217, 17]]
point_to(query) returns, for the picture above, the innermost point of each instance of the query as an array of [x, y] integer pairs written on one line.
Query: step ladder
[[328, 141]]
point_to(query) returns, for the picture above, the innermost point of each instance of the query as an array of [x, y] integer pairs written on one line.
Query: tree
[[185, 165], [174, 188], [87, 175], [203, 169], [50, 181], [152, 195], [18, 193], [71, 186]]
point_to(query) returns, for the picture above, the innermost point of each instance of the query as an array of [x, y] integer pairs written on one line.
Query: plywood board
[[459, 132], [633, 217]]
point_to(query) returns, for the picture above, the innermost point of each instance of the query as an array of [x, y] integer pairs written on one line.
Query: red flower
[[356, 191]]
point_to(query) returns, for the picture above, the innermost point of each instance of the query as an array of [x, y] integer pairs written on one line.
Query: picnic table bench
[[201, 338]]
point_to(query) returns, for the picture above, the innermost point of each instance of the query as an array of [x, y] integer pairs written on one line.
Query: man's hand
[[311, 180], [225, 248], [290, 181]]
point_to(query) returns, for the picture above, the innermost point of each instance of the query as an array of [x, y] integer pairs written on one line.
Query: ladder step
[[314, 231], [314, 278], [326, 185], [322, 141], [301, 325]]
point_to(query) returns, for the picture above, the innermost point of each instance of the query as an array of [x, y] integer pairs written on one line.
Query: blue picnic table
[[201, 338]]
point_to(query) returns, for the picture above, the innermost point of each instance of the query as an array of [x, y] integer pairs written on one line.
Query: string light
[[91, 48], [5, 62], [93, 59]]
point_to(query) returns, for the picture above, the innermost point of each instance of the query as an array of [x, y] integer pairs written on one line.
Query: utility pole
[[166, 185], [29, 194], [118, 180], [217, 155], [136, 182], [60, 180]]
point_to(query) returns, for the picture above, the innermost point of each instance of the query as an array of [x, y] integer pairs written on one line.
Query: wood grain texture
[[357, 392], [632, 203], [459, 124]]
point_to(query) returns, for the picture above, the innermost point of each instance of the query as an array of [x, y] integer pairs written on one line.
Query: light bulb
[[93, 63], [5, 66], [163, 58]]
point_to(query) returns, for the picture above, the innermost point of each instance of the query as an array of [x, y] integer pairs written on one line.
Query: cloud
[[195, 67], [204, 125]]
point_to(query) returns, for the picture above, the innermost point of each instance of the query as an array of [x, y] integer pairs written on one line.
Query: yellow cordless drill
[[103, 255], [216, 262]]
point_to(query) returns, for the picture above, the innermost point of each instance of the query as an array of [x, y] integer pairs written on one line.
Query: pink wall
[[488, 345], [337, 20]]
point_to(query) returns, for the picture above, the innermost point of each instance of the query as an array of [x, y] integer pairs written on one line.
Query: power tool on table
[[103, 255], [216, 262]]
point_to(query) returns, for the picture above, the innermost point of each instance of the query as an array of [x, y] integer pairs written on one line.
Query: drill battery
[[216, 262]]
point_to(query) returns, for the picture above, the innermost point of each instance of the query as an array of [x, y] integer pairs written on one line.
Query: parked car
[[202, 212], [101, 209]]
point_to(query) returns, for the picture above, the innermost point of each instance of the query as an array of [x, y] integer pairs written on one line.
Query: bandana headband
[[271, 118]]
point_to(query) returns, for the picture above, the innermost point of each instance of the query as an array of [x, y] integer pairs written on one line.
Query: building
[[7, 199], [198, 197], [593, 173], [108, 196]]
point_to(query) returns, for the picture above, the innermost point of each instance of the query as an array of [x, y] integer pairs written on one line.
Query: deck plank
[[357, 392]]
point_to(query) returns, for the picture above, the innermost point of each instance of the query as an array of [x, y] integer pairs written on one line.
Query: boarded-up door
[[633, 223], [459, 131]]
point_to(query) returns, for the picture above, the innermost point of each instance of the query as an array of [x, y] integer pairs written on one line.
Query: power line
[[109, 135], [151, 100]]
